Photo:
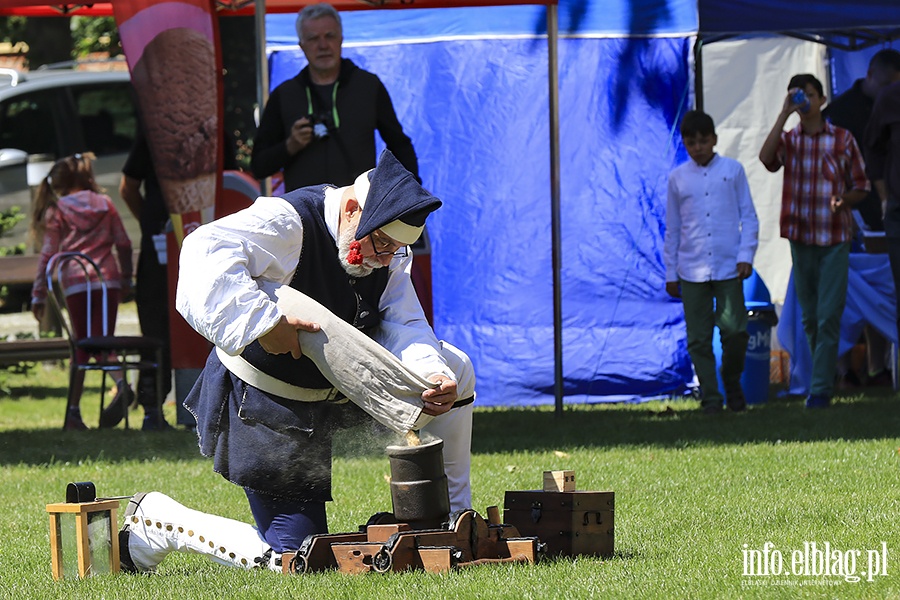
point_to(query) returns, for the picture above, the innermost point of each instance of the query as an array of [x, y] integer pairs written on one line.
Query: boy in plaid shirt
[[824, 176]]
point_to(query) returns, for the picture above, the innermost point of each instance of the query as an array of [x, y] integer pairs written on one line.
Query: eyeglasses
[[387, 248]]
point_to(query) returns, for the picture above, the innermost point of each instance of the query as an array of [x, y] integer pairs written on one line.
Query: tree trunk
[[49, 40]]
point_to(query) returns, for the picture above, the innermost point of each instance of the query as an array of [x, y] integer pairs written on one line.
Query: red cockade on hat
[[355, 257]]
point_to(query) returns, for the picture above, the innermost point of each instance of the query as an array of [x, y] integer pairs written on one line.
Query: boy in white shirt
[[711, 238]]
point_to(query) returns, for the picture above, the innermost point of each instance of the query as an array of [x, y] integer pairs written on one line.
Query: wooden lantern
[[84, 538]]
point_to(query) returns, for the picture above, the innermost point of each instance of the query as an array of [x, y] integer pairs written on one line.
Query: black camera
[[319, 126]]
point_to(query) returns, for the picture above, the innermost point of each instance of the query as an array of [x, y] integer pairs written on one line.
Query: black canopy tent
[[840, 24]]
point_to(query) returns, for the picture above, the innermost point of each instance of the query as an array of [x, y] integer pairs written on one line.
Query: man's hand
[[744, 270], [440, 399], [838, 203], [301, 135], [789, 105], [848, 200], [673, 289], [282, 338], [881, 187], [37, 309]]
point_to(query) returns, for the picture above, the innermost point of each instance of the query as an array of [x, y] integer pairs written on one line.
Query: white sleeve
[[404, 331], [220, 264], [672, 239], [749, 221]]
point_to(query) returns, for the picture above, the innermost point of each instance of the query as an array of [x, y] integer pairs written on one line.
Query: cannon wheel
[[382, 561], [298, 565], [382, 518]]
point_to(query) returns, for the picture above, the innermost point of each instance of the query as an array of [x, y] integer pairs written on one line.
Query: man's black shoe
[[154, 421], [112, 415], [125, 562], [735, 400], [818, 401]]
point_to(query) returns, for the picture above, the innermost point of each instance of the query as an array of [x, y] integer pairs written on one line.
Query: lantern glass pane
[[68, 542], [99, 541]]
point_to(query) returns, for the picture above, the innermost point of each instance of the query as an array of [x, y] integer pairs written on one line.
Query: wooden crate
[[569, 523], [559, 481]]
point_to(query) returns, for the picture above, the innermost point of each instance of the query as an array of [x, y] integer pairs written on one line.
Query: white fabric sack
[[370, 376]]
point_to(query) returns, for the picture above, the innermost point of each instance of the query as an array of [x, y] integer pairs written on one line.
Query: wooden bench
[[19, 270], [13, 352]]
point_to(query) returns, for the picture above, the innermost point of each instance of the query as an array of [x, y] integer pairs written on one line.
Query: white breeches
[[161, 525], [455, 428]]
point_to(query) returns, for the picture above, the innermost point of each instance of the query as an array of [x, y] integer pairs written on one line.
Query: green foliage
[[238, 44], [12, 29], [12, 250], [243, 153], [23, 367], [690, 492], [95, 34], [10, 218]]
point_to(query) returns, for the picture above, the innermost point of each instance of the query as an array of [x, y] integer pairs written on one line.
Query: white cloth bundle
[[366, 373]]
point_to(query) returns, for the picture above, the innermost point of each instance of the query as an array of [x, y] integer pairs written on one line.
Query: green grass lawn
[[693, 494]]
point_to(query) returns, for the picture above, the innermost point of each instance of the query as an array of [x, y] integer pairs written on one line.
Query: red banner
[[173, 54]]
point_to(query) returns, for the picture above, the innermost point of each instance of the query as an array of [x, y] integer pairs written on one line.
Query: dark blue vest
[[272, 445], [321, 277]]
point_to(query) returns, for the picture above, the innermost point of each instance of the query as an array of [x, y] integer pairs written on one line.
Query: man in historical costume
[[309, 302]]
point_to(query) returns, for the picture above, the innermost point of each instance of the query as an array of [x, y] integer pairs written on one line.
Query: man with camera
[[319, 127]]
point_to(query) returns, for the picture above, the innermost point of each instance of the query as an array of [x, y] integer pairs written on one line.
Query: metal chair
[[105, 352]]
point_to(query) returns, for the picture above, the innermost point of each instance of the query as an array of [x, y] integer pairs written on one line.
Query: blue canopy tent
[[470, 86]]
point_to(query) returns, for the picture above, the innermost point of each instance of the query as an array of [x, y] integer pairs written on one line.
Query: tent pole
[[698, 73], [556, 237], [262, 74]]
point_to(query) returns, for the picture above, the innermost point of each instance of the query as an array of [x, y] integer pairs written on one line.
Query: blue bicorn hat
[[392, 201]]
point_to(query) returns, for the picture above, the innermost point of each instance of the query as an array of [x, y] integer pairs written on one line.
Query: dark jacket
[[851, 111], [363, 106], [882, 151]]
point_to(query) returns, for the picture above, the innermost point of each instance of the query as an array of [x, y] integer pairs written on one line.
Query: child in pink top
[[76, 216]]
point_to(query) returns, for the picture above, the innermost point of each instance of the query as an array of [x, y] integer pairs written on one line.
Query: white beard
[[368, 265]]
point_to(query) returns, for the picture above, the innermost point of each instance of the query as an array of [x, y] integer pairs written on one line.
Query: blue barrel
[[760, 320], [755, 380]]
